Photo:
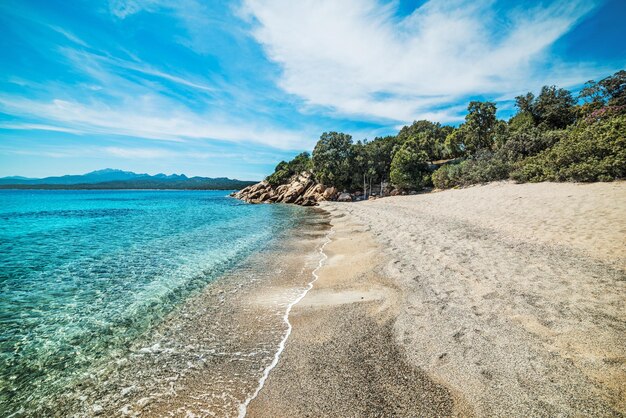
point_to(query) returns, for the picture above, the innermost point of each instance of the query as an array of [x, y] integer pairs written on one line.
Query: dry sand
[[497, 300]]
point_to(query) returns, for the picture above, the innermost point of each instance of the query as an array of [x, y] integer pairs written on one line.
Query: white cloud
[[37, 127], [147, 117], [134, 153], [118, 103], [355, 57]]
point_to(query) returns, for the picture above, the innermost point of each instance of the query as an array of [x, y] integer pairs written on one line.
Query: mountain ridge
[[119, 179]]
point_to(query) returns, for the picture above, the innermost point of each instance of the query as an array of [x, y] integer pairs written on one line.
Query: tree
[[615, 87], [409, 167], [479, 126], [553, 108], [359, 165], [380, 152], [285, 170], [454, 145], [429, 136], [521, 121], [525, 103], [332, 159], [526, 142], [610, 91]]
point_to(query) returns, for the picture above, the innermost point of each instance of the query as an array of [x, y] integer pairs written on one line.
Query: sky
[[217, 88]]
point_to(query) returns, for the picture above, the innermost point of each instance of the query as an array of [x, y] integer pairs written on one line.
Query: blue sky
[[219, 88]]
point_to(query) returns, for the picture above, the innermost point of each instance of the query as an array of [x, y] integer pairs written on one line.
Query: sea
[[135, 302]]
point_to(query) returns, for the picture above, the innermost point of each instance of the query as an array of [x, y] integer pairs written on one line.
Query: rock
[[330, 193], [394, 192], [309, 201], [344, 197], [315, 190], [319, 197], [297, 188], [301, 190], [282, 189]]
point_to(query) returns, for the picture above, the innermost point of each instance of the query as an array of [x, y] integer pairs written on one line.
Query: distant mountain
[[117, 179]]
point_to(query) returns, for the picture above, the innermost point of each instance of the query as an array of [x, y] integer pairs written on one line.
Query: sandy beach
[[495, 300]]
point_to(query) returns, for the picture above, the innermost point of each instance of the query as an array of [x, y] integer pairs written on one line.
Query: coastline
[[281, 347], [501, 299], [206, 357], [494, 300], [341, 359]]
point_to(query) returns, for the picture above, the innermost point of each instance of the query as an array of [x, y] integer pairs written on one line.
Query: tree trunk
[[364, 187]]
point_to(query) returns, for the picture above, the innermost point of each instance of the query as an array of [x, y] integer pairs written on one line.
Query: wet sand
[[497, 300], [341, 358]]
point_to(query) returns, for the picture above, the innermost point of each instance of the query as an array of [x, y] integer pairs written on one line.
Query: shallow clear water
[[83, 274]]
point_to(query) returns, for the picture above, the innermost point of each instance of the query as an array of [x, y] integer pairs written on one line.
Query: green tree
[[454, 144], [521, 121], [615, 88], [409, 167], [478, 129], [285, 170], [553, 108], [332, 159], [429, 136], [359, 165], [380, 152], [610, 91]]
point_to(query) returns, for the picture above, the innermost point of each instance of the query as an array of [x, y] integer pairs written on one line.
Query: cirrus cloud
[[357, 57]]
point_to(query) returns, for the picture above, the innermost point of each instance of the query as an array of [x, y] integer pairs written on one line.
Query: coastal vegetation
[[553, 136]]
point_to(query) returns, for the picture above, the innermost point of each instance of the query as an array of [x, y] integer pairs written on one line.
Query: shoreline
[[342, 358], [206, 357], [491, 300], [281, 347]]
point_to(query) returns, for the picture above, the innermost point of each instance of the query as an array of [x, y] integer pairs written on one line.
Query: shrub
[[447, 176], [285, 170], [587, 152], [482, 168], [409, 167], [527, 142]]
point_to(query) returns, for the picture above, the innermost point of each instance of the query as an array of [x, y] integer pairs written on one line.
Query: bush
[[587, 152], [285, 170], [281, 174], [409, 167], [482, 168], [526, 142], [447, 176]]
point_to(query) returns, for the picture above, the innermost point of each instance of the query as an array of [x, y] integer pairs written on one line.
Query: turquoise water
[[83, 274]]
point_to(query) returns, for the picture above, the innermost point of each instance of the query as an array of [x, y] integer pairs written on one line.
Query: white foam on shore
[[244, 406]]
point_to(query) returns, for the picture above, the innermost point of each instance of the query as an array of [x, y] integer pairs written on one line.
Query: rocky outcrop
[[301, 190], [344, 197]]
